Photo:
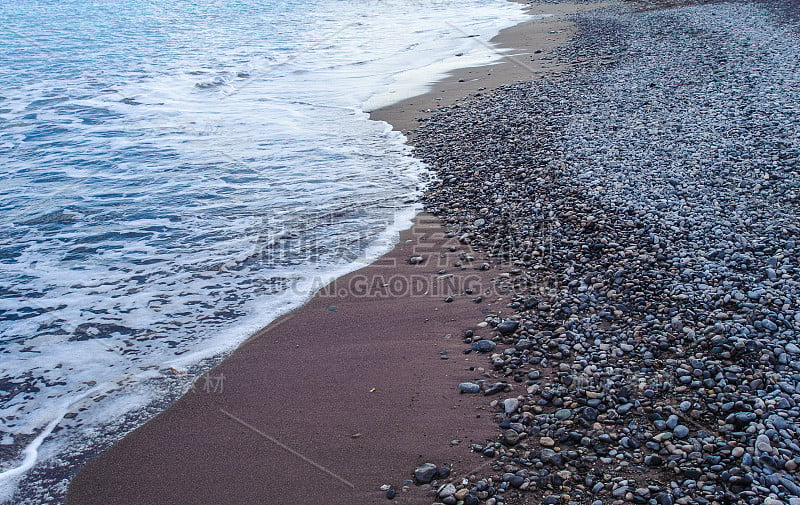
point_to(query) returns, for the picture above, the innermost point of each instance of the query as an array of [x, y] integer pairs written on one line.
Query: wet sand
[[328, 403]]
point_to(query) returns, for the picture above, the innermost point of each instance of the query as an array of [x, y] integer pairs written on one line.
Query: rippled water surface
[[174, 175]]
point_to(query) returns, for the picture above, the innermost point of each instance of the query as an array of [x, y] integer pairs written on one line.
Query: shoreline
[[385, 405], [150, 463], [527, 55]]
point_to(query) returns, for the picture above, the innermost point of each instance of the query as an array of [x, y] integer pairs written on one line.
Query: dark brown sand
[[327, 404]]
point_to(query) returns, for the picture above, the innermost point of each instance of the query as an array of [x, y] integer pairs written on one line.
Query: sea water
[[174, 175]]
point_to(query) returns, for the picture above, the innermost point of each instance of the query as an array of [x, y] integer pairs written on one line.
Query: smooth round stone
[[763, 443], [665, 499], [507, 327], [625, 408], [672, 421], [447, 490], [547, 441], [563, 414], [510, 437], [510, 405], [547, 454], [630, 443], [745, 417], [589, 413], [681, 431], [778, 422], [469, 387], [483, 346], [516, 481], [620, 491], [653, 460]]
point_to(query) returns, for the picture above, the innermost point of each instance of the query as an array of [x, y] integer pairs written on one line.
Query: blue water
[[175, 174]]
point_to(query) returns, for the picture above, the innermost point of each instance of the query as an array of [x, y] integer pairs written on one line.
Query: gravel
[[648, 201]]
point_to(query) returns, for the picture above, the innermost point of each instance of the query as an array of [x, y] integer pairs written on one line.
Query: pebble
[[469, 387], [483, 346], [680, 431], [510, 405], [563, 414], [507, 327], [510, 437], [471, 499], [447, 490], [763, 443], [652, 289], [425, 473]]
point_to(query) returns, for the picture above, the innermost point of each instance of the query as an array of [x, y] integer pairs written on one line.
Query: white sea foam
[[177, 175]]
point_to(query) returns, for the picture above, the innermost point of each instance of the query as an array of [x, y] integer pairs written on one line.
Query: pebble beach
[[632, 221], [647, 203]]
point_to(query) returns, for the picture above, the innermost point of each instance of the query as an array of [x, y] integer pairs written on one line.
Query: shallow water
[[175, 175]]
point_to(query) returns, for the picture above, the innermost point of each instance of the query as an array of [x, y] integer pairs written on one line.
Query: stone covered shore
[[646, 203]]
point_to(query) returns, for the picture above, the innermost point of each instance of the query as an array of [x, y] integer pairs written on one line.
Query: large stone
[[510, 405], [563, 414], [483, 346], [469, 387], [516, 481], [507, 327], [681, 431], [763, 444], [447, 490], [510, 437], [471, 499], [425, 473]]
